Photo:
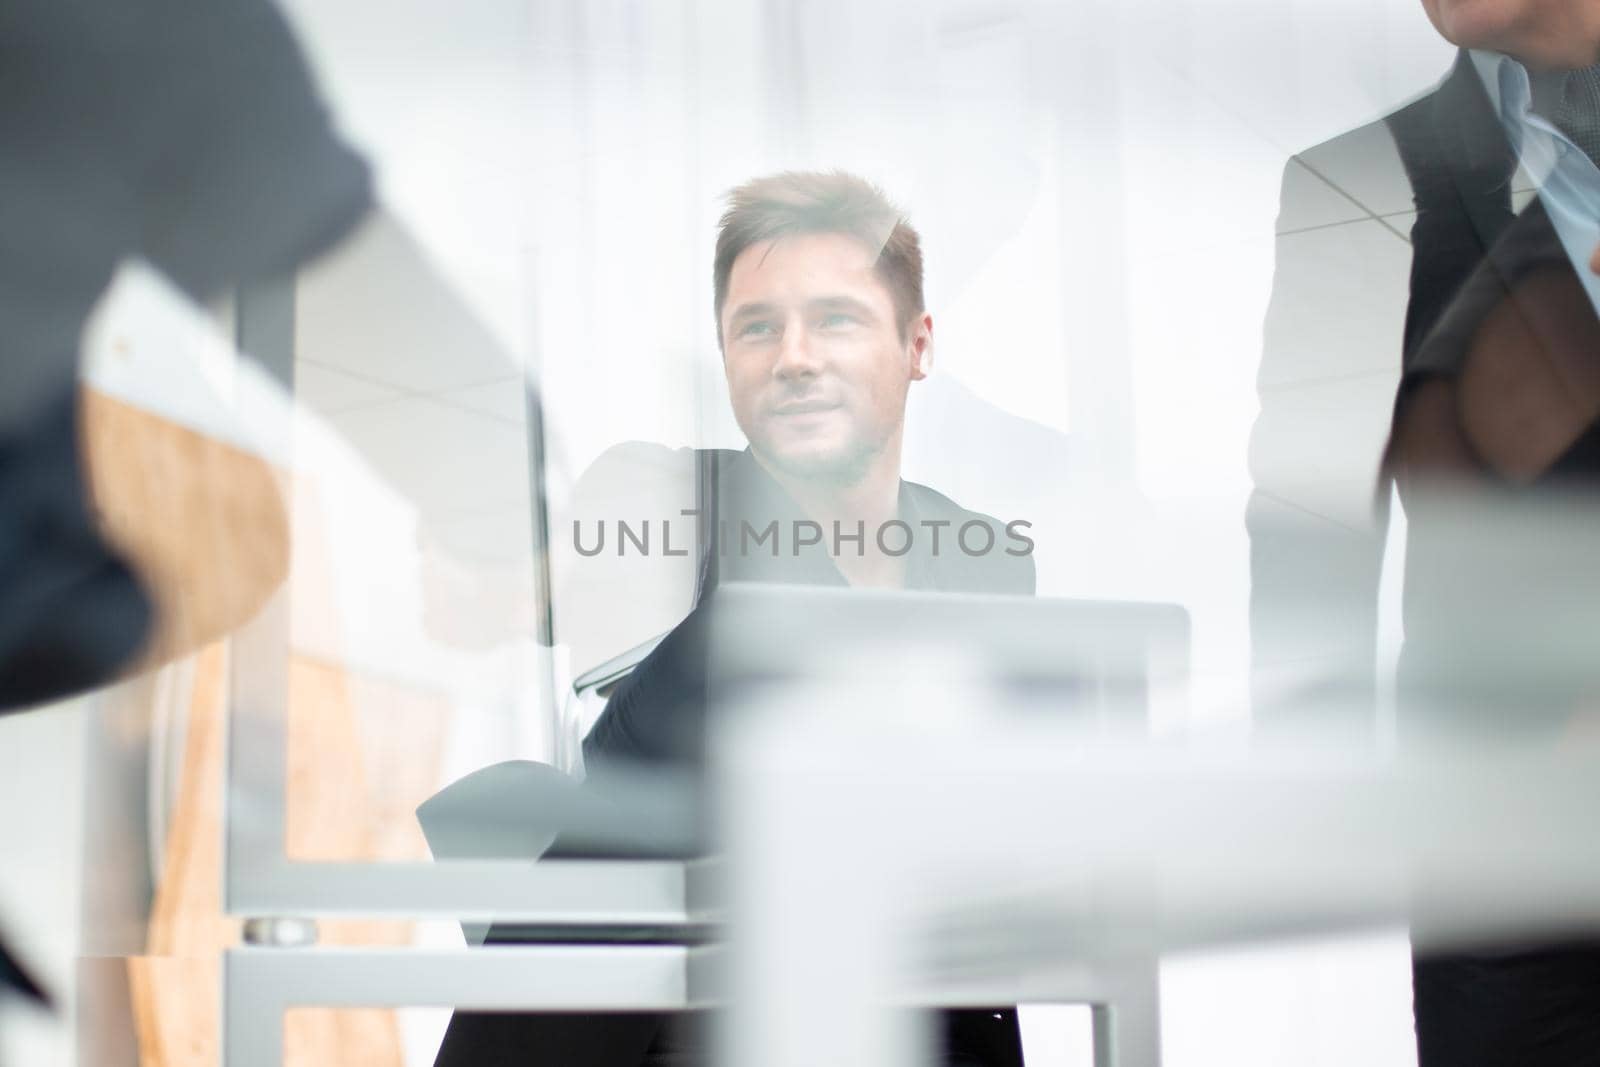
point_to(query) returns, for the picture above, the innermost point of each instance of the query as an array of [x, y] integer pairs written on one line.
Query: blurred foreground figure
[[818, 298], [186, 134], [1493, 399], [1499, 412]]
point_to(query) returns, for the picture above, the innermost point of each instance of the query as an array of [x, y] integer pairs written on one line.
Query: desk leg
[[1127, 1031], [816, 953], [252, 1015]]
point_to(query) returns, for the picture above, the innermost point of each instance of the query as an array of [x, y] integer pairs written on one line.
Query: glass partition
[[517, 352], [489, 411]]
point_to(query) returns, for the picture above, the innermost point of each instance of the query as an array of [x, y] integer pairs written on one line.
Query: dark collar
[[745, 492], [1473, 149]]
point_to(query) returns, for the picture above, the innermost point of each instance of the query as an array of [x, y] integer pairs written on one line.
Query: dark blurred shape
[[17, 980], [657, 713], [71, 612], [1578, 112], [189, 135], [1518, 354], [1498, 418], [1541, 1000]]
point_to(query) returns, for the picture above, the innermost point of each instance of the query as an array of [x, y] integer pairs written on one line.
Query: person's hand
[[1531, 385]]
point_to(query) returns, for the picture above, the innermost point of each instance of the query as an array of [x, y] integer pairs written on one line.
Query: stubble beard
[[842, 468]]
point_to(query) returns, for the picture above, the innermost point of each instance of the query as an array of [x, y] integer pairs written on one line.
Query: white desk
[[977, 864]]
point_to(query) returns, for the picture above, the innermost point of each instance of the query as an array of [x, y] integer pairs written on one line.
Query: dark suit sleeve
[[242, 174], [648, 719], [193, 135], [657, 713]]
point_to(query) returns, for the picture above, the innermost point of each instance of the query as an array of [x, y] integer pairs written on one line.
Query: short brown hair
[[805, 202]]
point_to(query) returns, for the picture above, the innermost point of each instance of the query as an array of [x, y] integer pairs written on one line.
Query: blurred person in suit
[[1443, 174], [187, 135], [1485, 379], [193, 139]]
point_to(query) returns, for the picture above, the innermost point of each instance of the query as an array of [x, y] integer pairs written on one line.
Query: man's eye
[[757, 330], [837, 320]]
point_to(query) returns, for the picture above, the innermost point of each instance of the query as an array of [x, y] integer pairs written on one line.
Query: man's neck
[[865, 503]]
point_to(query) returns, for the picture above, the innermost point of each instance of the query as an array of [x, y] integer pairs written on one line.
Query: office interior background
[[1097, 184]]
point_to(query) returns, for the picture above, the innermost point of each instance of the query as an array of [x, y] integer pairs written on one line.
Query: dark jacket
[[657, 713], [188, 135], [657, 716]]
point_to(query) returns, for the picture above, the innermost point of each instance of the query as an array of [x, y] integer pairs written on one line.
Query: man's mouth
[[805, 407]]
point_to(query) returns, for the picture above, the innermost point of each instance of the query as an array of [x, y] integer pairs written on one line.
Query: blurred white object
[[1007, 863]]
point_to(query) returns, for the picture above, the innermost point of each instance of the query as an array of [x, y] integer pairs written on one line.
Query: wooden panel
[[203, 522], [205, 525], [176, 986], [357, 776]]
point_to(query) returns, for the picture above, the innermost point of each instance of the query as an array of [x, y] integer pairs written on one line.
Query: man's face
[[817, 369], [1544, 34]]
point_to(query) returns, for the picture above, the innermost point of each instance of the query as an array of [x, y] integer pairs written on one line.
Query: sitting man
[[818, 298]]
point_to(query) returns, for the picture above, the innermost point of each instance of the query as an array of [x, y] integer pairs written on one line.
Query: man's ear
[[921, 347]]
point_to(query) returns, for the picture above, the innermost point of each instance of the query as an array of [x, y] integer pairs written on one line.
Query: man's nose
[[797, 355]]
